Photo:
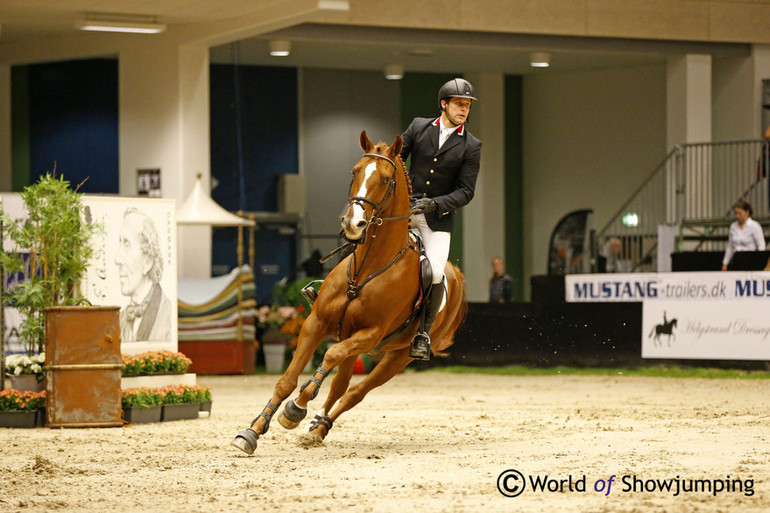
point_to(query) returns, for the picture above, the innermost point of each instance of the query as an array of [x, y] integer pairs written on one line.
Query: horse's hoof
[[246, 440], [292, 415], [308, 440]]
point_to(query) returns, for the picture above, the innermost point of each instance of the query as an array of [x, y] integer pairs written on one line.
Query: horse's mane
[[380, 148]]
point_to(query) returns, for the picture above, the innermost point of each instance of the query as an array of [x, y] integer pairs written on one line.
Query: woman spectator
[[745, 233]]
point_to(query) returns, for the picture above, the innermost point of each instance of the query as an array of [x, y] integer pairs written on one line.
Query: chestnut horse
[[364, 302]]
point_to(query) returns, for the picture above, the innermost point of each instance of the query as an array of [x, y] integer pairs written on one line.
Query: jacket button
[[435, 159], [431, 171], [427, 183], [424, 194]]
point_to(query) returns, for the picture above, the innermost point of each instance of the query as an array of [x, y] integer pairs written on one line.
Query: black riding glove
[[424, 205]]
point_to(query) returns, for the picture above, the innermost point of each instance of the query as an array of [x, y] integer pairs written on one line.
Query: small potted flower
[[141, 404], [204, 398], [270, 320], [21, 408], [26, 372], [181, 401], [154, 363]]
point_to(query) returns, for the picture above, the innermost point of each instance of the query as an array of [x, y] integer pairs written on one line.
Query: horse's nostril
[[361, 224]]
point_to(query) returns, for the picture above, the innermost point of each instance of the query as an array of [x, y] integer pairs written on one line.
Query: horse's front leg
[[360, 342], [339, 387], [310, 337], [391, 364]]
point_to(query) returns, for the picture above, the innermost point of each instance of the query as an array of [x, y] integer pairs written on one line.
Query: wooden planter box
[[83, 366], [137, 415], [182, 411], [18, 419]]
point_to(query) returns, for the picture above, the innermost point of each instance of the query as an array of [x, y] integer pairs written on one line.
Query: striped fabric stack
[[209, 309]]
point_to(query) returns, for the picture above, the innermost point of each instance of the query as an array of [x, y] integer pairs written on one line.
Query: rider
[[443, 170]]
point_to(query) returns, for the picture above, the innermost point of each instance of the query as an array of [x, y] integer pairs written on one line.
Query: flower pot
[[141, 415], [206, 406], [26, 382], [41, 419], [18, 419], [180, 411], [275, 354]]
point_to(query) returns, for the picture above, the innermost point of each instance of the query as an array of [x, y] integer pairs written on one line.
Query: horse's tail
[[453, 314]]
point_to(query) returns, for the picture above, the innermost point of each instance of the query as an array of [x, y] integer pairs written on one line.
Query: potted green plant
[[26, 372], [20, 408], [141, 404], [51, 252]]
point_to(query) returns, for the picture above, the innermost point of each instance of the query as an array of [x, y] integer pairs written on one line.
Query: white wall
[[335, 106], [590, 138]]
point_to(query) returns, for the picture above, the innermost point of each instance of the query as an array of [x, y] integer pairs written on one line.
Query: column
[[483, 218]]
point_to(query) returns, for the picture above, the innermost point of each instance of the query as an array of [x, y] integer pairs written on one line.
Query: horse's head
[[373, 186]]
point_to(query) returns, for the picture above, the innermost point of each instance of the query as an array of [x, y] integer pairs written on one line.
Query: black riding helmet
[[455, 88]]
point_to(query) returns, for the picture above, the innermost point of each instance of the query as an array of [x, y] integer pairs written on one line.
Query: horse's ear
[[366, 143], [395, 148]]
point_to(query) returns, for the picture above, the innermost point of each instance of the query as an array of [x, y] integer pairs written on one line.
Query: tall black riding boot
[[420, 348]]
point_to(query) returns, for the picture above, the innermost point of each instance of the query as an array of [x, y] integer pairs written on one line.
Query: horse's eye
[[384, 180]]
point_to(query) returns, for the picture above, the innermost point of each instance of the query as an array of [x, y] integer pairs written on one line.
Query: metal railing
[[694, 188]]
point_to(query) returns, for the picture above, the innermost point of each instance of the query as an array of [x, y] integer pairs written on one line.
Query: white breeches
[[436, 245]]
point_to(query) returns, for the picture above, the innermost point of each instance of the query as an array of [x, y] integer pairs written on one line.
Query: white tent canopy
[[200, 209]]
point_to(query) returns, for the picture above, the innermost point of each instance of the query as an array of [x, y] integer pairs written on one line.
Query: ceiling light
[[121, 23], [280, 47], [394, 72], [540, 59]]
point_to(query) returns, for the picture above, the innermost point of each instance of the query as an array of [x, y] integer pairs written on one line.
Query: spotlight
[[540, 59], [394, 72], [280, 47]]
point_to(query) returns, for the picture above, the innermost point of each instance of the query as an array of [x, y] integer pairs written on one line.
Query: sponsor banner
[[706, 330], [679, 286]]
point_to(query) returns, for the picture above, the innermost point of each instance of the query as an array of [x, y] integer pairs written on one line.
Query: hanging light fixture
[[540, 59], [394, 72], [280, 47]]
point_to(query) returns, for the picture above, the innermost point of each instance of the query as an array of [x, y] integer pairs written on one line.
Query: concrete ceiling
[[354, 47]]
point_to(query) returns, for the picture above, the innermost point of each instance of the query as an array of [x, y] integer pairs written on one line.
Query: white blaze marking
[[358, 211]]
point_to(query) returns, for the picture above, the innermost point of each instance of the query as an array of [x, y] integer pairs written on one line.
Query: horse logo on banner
[[667, 328]]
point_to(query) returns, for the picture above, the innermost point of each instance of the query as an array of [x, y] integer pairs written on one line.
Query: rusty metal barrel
[[83, 366]]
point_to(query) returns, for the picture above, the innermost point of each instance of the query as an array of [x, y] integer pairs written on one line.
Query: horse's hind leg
[[391, 364]]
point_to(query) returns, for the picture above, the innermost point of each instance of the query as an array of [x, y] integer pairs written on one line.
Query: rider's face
[[456, 110]]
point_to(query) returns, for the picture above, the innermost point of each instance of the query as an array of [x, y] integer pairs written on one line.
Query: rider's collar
[[460, 129]]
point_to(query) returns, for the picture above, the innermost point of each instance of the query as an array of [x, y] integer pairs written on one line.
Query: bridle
[[376, 207], [354, 267]]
